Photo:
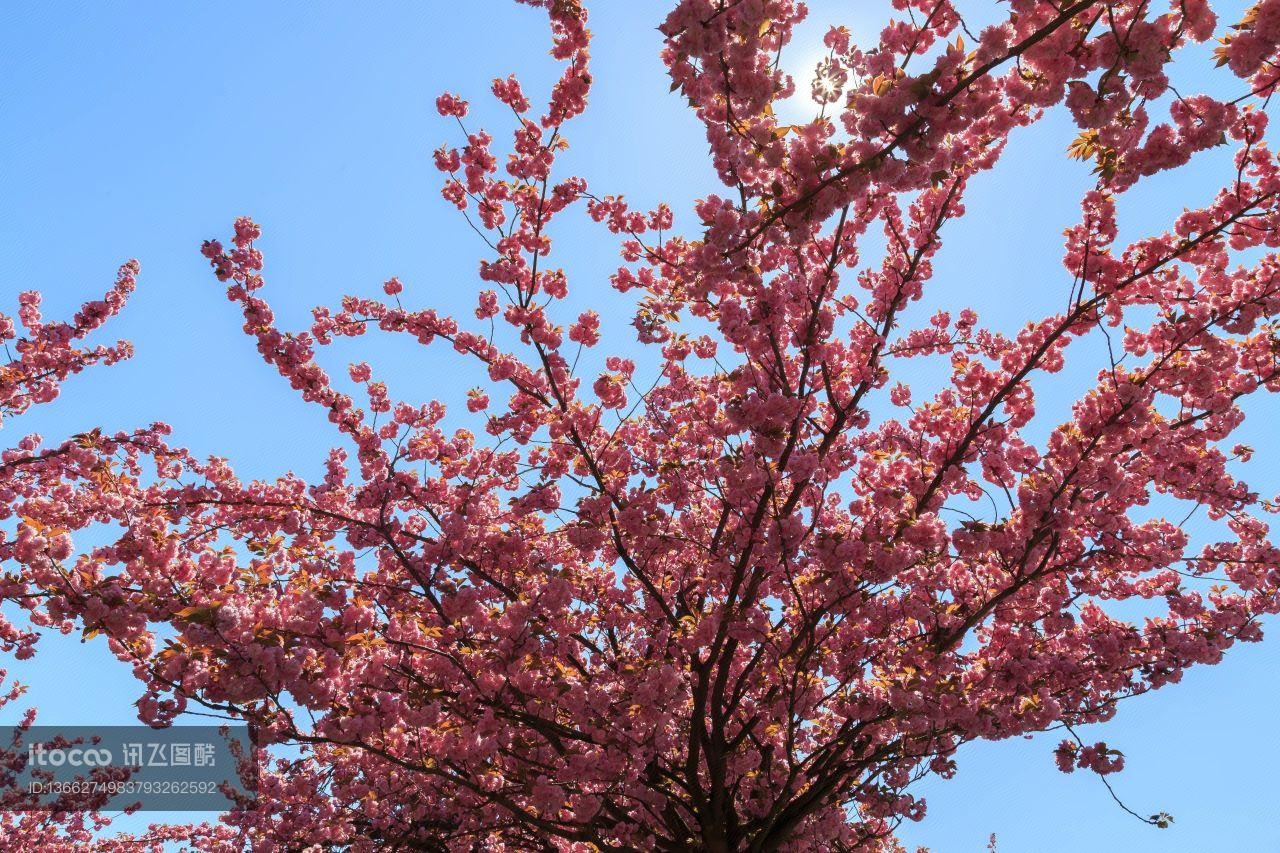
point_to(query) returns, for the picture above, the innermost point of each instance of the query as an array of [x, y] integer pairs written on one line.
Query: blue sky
[[138, 129]]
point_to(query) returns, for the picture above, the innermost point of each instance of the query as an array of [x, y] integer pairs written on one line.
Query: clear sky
[[138, 129]]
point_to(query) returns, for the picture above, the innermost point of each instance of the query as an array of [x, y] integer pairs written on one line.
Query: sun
[[806, 60]]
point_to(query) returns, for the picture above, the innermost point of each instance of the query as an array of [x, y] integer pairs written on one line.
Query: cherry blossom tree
[[743, 591]]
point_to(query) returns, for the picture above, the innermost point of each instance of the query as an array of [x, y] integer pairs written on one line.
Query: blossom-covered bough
[[728, 600], [62, 481]]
